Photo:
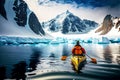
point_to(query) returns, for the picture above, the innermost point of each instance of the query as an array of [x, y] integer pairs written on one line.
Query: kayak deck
[[78, 61]]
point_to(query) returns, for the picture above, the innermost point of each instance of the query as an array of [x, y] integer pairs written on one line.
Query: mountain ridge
[[68, 23], [18, 16], [108, 23]]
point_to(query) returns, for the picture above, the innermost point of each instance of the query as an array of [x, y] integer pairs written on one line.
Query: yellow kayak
[[78, 62]]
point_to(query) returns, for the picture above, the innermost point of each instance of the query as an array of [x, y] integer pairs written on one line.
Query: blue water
[[46, 57]]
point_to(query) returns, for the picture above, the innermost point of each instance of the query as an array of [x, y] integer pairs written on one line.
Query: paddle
[[93, 60], [63, 58]]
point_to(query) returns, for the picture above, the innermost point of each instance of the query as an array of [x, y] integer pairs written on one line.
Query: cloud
[[95, 3], [51, 9]]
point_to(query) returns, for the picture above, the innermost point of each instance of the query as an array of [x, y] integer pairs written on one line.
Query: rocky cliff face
[[19, 15], [35, 25], [20, 8], [108, 23], [2, 9]]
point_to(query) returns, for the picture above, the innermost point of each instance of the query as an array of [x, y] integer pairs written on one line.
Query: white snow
[[10, 28], [7, 28], [96, 14], [96, 36]]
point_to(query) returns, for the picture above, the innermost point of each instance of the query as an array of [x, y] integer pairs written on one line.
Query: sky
[[98, 3], [94, 10]]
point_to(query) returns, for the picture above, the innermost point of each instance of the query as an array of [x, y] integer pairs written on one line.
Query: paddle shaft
[[88, 56], [93, 60]]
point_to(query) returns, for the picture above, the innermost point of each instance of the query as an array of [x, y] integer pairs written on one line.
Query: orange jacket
[[78, 50]]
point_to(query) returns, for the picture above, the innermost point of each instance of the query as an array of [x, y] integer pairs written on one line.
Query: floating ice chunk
[[103, 40]]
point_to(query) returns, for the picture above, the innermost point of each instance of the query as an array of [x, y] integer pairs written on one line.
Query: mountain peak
[[68, 23], [68, 12], [108, 23], [64, 15]]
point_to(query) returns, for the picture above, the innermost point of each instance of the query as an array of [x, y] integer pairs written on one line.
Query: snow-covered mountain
[[108, 23], [17, 20], [68, 23]]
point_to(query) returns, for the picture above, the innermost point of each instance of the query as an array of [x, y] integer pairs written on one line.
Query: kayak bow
[[78, 62]]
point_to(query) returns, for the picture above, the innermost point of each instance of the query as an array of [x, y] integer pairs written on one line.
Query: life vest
[[77, 50]]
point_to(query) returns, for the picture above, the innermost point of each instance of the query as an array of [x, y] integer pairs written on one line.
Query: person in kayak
[[78, 58], [78, 50]]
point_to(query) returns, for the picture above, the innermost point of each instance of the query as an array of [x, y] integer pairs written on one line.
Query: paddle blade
[[63, 58], [93, 60]]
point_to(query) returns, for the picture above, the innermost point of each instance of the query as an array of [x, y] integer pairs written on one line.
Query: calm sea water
[[42, 61]]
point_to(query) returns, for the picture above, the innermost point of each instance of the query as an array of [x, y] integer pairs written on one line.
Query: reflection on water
[[118, 57], [65, 51], [2, 72], [18, 71], [107, 54], [34, 60], [45, 57], [52, 55]]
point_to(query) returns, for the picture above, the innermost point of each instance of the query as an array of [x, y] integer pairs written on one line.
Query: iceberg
[[89, 40], [95, 40], [115, 40], [61, 40], [71, 41], [54, 42], [6, 40], [103, 40]]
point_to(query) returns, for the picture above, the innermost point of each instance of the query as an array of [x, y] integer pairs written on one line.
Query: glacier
[[7, 40]]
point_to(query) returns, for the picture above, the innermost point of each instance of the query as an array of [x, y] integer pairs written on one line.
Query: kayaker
[[78, 49]]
